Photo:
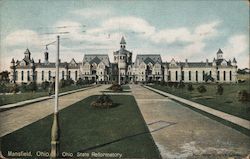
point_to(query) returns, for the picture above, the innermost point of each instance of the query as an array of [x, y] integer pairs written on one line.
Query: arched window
[[69, 74], [176, 75], [189, 75], [22, 75], [196, 75], [49, 74], [35, 76], [28, 75], [230, 75], [169, 75], [42, 75], [224, 75], [210, 73], [218, 75], [76, 75], [203, 75]]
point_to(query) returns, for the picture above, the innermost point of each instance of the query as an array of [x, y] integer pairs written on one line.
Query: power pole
[[119, 75], [55, 131]]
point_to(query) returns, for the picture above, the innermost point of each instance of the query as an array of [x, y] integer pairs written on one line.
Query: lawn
[[228, 102], [120, 129], [14, 98]]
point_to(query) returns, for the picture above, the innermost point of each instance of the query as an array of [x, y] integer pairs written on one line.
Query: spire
[[27, 53], [219, 51], [123, 40], [12, 61]]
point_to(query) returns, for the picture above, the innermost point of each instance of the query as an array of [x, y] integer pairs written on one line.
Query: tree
[[201, 89], [208, 77], [190, 87], [219, 89], [4, 76]]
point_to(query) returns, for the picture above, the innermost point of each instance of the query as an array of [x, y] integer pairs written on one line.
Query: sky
[[179, 29]]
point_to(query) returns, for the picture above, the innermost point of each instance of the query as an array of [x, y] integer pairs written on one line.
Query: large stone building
[[146, 68]]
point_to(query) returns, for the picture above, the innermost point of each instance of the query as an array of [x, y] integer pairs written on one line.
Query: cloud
[[90, 13], [22, 38], [238, 46]]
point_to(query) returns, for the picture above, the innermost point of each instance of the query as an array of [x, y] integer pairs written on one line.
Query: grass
[[125, 87], [228, 102], [14, 98], [85, 129]]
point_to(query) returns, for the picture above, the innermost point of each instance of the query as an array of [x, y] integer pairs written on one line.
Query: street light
[[55, 131]]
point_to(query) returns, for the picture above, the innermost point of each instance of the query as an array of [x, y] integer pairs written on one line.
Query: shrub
[[23, 87], [190, 87], [243, 96], [102, 101], [32, 86], [116, 87], [14, 88], [181, 84], [219, 89], [45, 85], [201, 89]]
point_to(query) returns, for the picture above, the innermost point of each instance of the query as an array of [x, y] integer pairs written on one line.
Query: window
[[189, 75], [22, 75], [218, 75], [196, 75], [169, 75], [182, 75], [230, 75], [42, 75], [210, 73], [203, 75], [49, 74], [69, 74], [76, 75], [28, 75], [176, 75], [62, 74], [224, 75]]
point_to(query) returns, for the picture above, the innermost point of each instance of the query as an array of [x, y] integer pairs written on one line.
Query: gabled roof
[[122, 51], [97, 58], [146, 58]]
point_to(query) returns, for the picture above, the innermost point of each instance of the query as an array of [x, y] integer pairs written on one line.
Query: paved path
[[233, 119], [180, 132], [17, 118]]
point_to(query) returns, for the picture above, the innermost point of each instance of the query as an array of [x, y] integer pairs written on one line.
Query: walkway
[[14, 119], [180, 132]]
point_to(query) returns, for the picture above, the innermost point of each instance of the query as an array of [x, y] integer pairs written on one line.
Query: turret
[[27, 54], [123, 43], [219, 54], [214, 62], [234, 62]]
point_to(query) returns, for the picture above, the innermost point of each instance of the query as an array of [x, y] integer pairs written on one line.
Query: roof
[[123, 41], [219, 51], [153, 58], [97, 58], [122, 51], [27, 51]]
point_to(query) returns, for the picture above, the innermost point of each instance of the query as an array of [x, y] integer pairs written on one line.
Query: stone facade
[[146, 68]]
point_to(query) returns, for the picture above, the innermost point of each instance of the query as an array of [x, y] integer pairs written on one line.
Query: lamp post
[[55, 130]]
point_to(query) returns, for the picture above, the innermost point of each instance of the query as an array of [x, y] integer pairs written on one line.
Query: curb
[[31, 101], [222, 115]]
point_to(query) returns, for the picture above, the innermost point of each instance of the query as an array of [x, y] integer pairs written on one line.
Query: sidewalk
[[22, 103], [180, 132], [14, 119], [231, 118]]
